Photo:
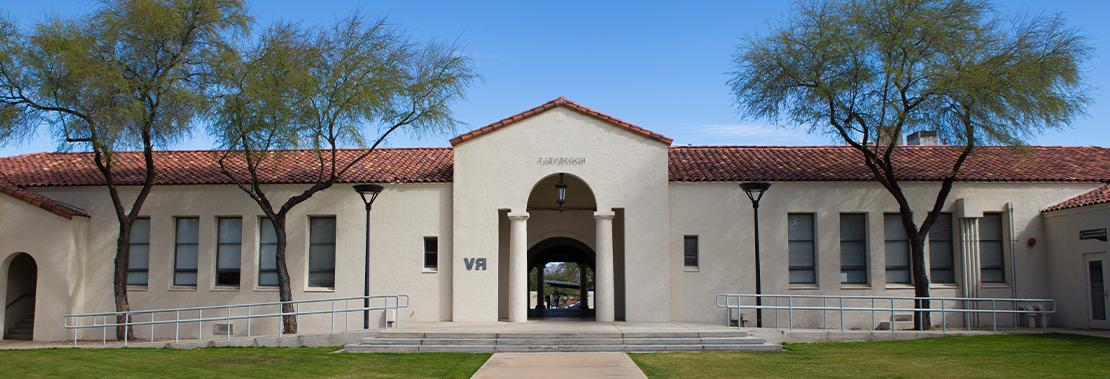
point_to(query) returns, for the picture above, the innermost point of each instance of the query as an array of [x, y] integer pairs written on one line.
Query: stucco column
[[604, 301], [518, 267]]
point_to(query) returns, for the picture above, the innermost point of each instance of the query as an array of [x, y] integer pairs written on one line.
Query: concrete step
[[18, 336], [379, 348]]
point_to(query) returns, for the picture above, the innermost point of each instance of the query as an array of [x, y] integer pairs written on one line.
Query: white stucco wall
[[1067, 262], [402, 216], [624, 170], [722, 217], [55, 243]]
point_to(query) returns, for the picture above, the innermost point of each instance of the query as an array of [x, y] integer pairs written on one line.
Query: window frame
[[263, 220], [308, 262], [132, 244], [686, 252], [1001, 241], [866, 268], [434, 267], [177, 251], [951, 242], [909, 253], [813, 251], [238, 271]]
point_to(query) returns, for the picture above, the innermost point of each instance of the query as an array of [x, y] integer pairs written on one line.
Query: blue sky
[[660, 65]]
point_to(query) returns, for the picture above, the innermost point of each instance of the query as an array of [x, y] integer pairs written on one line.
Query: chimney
[[922, 138]]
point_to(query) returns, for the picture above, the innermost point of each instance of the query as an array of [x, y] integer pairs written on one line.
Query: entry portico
[[616, 175]]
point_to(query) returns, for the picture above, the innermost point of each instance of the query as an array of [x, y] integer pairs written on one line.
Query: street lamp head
[[755, 190], [368, 192]]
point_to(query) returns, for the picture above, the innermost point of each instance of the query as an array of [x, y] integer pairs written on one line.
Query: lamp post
[[755, 191], [561, 193], [368, 192]]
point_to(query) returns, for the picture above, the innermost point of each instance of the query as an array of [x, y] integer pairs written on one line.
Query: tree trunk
[[285, 293], [920, 282], [119, 279]]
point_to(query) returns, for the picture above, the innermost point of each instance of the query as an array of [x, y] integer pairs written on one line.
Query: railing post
[[103, 329], [994, 316], [790, 310], [892, 318], [871, 327], [824, 320], [346, 314], [249, 321], [152, 327], [177, 325], [841, 314], [200, 324], [228, 330], [76, 323], [1044, 314], [126, 329], [332, 316], [943, 320]]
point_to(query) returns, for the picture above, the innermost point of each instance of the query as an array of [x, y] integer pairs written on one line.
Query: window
[[138, 261], [185, 251], [803, 267], [431, 253], [853, 248], [267, 254], [229, 240], [941, 258], [690, 251], [992, 269], [321, 252], [897, 247]]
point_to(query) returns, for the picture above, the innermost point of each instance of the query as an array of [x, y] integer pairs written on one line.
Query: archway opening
[[19, 300], [560, 279]]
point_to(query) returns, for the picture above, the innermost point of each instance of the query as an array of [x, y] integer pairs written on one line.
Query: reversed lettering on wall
[[561, 161], [475, 264]]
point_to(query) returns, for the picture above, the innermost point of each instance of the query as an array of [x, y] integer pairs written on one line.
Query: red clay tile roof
[[1100, 195], [404, 165], [46, 203], [687, 164], [560, 102], [920, 163]]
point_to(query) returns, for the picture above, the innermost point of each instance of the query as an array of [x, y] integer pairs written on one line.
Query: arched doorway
[[19, 300], [561, 279], [561, 207]]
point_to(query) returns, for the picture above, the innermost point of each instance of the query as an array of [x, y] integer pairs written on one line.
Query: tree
[[869, 71], [123, 77], [319, 90]]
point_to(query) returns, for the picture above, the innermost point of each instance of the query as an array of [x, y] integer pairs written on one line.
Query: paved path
[[559, 365]]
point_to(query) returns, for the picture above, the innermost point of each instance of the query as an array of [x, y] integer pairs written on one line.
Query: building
[[663, 228]]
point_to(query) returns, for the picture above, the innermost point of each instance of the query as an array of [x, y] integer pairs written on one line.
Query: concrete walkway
[[559, 365]]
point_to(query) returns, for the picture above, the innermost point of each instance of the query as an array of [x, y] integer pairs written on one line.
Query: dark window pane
[[690, 251], [186, 236], [941, 256], [897, 250], [802, 252], [1098, 290], [431, 252], [853, 248], [321, 252], [991, 259]]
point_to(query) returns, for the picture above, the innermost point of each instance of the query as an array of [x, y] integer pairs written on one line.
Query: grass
[[998, 356], [233, 363]]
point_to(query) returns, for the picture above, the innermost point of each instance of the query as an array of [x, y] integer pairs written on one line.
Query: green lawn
[[1052, 355], [271, 363]]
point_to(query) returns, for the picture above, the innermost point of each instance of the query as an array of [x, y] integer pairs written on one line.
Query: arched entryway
[[561, 276], [19, 299], [560, 223]]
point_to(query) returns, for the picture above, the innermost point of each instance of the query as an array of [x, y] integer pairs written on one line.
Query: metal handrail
[[20, 297], [971, 307], [107, 320]]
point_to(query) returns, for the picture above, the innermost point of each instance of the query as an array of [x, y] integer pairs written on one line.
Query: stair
[[22, 330], [483, 342]]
